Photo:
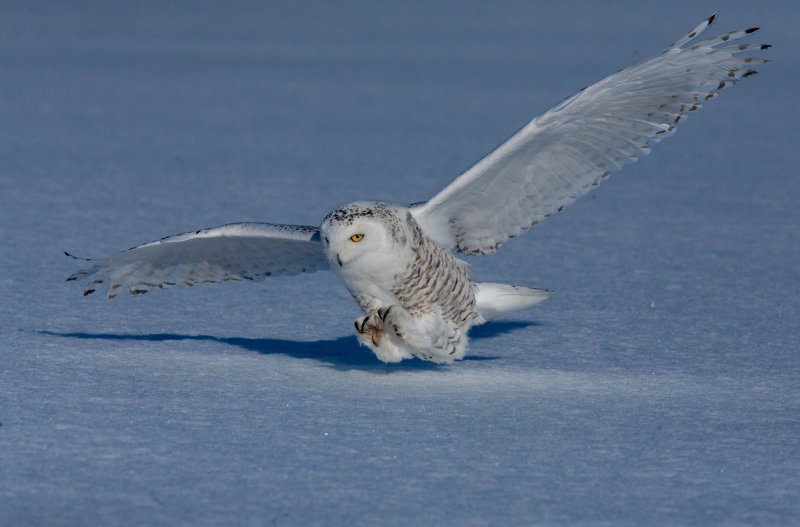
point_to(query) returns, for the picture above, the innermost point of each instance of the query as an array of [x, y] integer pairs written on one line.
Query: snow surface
[[659, 386]]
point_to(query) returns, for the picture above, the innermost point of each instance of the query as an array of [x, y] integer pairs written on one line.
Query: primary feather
[[563, 153]]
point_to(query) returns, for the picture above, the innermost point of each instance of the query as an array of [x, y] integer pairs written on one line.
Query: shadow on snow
[[342, 352]]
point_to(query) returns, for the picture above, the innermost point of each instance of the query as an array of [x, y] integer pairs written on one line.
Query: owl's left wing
[[235, 252], [563, 153]]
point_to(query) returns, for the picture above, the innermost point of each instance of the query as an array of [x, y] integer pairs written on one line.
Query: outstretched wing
[[235, 252], [563, 153]]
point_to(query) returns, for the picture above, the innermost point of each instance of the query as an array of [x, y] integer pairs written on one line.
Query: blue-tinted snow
[[658, 387]]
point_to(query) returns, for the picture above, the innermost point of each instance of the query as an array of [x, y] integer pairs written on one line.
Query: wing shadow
[[342, 353]]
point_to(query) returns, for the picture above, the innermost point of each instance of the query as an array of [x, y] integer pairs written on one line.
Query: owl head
[[367, 238]]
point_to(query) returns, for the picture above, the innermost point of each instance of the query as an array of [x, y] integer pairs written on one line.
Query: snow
[[659, 386]]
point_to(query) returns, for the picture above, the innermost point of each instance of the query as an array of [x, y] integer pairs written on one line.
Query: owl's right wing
[[235, 252], [570, 149]]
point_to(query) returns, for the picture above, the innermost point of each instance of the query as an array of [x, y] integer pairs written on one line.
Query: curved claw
[[382, 312]]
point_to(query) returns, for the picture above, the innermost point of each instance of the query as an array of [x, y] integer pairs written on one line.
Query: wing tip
[[76, 257]]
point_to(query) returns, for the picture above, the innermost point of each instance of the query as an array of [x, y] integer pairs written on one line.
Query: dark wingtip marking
[[710, 20], [766, 46], [197, 232], [721, 85], [88, 292], [76, 258], [751, 30], [748, 73], [71, 278], [138, 291]]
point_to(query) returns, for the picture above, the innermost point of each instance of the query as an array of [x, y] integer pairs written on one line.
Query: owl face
[[363, 238]]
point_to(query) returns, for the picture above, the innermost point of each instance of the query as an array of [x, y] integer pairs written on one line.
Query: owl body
[[417, 298]]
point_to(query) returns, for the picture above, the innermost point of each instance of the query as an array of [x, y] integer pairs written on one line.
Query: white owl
[[398, 261]]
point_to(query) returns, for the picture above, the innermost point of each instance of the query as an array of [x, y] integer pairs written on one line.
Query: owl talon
[[361, 323], [383, 312]]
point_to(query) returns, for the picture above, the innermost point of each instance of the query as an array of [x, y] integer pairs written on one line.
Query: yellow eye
[[357, 237]]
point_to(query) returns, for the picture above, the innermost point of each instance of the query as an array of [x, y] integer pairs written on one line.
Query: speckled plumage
[[436, 282], [398, 262], [428, 289]]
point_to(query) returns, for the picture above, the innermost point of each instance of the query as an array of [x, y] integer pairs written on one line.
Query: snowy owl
[[398, 262]]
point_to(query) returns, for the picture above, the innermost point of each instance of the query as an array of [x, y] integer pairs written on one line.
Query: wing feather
[[563, 153], [235, 252]]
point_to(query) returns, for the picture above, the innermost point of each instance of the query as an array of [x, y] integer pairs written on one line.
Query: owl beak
[[339, 260]]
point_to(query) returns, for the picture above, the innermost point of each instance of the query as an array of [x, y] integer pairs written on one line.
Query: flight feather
[[565, 152], [234, 252]]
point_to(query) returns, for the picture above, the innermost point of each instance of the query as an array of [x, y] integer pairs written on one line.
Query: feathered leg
[[393, 334], [382, 337]]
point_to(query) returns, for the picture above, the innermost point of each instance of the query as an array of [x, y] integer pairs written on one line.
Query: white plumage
[[235, 252], [398, 262]]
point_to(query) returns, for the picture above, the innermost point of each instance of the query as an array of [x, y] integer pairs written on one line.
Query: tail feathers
[[494, 300]]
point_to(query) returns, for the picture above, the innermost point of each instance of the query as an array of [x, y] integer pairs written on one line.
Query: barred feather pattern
[[437, 283]]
